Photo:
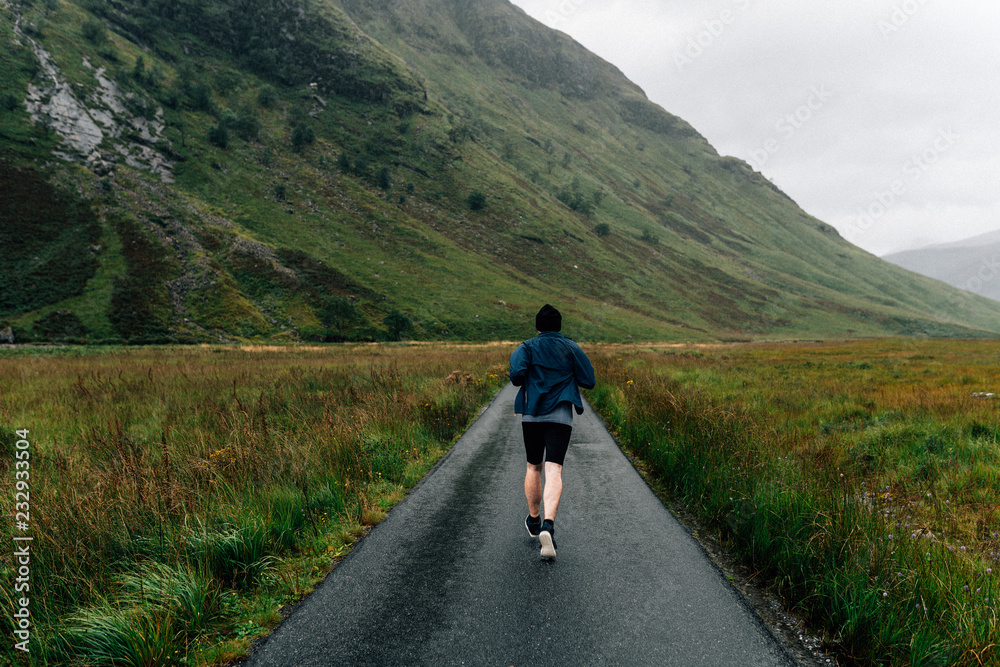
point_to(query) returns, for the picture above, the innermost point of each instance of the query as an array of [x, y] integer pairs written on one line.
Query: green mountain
[[201, 170]]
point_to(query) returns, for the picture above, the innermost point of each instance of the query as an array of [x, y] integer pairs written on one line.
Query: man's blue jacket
[[549, 369]]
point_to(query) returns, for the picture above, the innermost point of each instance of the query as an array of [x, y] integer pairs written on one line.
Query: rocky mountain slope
[[203, 170]]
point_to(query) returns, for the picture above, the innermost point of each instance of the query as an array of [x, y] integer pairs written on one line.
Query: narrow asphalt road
[[451, 576]]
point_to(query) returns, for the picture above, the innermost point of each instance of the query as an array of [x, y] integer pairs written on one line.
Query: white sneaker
[[548, 541]]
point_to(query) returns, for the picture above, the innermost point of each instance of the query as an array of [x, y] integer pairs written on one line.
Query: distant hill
[[220, 170], [972, 264]]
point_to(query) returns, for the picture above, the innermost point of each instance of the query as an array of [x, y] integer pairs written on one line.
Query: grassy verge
[[860, 479], [181, 497]]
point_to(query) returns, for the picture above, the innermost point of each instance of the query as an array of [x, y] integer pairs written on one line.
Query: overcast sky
[[880, 117]]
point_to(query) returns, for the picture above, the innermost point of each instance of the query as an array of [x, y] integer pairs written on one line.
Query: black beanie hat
[[548, 319]]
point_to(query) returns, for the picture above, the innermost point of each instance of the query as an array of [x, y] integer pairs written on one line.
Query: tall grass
[[181, 496], [860, 479]]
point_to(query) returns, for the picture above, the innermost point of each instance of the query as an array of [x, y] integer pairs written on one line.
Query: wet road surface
[[451, 576]]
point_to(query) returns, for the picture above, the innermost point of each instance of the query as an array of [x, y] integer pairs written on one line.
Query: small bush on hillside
[[172, 97], [94, 32], [267, 97], [226, 82], [139, 70], [338, 313], [226, 118], [602, 229], [384, 178], [148, 77], [397, 324], [200, 96], [344, 162], [477, 200], [360, 167], [10, 102], [219, 136], [302, 135], [110, 55], [576, 199], [245, 125]]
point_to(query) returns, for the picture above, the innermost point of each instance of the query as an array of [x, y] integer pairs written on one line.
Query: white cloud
[[900, 72]]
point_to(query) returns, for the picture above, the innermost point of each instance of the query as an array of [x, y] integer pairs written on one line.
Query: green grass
[[859, 480], [182, 496]]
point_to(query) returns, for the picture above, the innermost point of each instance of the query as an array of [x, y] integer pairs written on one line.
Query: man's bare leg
[[553, 489], [533, 488], [550, 496]]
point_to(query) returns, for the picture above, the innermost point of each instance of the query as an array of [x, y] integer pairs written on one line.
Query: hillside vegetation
[[205, 170]]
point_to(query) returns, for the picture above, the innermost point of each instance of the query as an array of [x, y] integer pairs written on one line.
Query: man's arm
[[519, 362], [584, 369]]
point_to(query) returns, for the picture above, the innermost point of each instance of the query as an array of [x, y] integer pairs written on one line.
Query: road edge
[[788, 629], [287, 610]]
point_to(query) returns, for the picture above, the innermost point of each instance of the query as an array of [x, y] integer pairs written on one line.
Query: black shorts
[[546, 438]]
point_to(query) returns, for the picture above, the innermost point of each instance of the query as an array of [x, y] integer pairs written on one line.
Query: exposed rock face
[[57, 106], [100, 119], [6, 336], [107, 108]]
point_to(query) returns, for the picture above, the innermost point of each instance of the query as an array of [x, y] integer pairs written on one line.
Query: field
[[179, 497], [859, 480]]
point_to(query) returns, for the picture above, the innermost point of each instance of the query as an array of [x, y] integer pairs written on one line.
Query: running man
[[549, 369]]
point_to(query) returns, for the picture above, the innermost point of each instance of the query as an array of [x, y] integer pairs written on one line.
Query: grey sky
[[877, 116]]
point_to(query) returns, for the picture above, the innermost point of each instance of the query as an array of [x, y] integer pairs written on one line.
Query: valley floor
[[183, 496]]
